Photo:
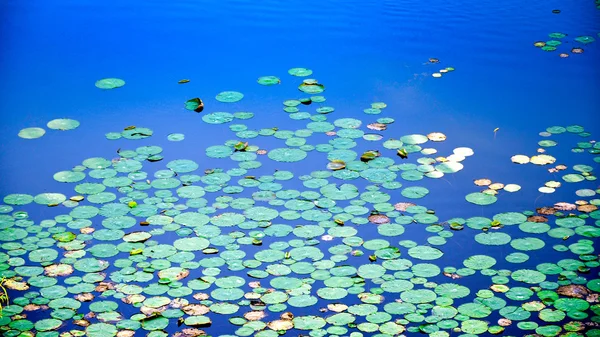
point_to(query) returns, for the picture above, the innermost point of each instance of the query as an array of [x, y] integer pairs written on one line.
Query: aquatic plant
[[4, 300], [186, 243]]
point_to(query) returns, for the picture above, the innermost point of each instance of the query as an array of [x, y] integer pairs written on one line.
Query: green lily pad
[[18, 199], [268, 80], [110, 83], [63, 124], [31, 133], [493, 238], [287, 155], [229, 96], [415, 192], [300, 72], [482, 199], [425, 253], [194, 104], [479, 262]]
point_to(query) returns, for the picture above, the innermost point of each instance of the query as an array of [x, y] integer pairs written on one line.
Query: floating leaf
[[415, 192], [311, 88], [300, 72], [336, 165], [287, 155], [229, 96], [32, 133], [482, 199], [110, 83], [194, 104], [63, 124], [585, 39], [425, 253], [268, 80]]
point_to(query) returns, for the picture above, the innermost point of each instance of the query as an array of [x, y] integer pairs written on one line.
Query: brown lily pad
[[32, 307], [496, 186], [402, 206], [84, 297], [337, 307], [587, 208], [15, 285], [126, 333], [573, 290], [255, 315], [87, 230], [61, 269], [482, 182], [453, 276], [81, 322], [537, 218], [504, 322], [195, 309], [436, 137], [190, 332], [280, 324], [564, 206], [377, 126], [546, 210], [201, 296], [379, 219], [153, 311]]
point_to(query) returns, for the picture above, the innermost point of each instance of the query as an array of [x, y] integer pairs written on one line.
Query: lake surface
[[281, 208]]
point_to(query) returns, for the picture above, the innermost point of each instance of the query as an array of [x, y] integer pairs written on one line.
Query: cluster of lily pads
[[557, 40], [62, 124], [440, 72], [178, 244], [491, 189], [581, 172]]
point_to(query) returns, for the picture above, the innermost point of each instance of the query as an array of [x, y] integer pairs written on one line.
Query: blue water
[[53, 52]]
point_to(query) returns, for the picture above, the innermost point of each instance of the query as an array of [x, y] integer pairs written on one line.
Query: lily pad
[[482, 199], [300, 72], [110, 83], [229, 96], [32, 133], [194, 104], [287, 155], [268, 80], [63, 124]]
